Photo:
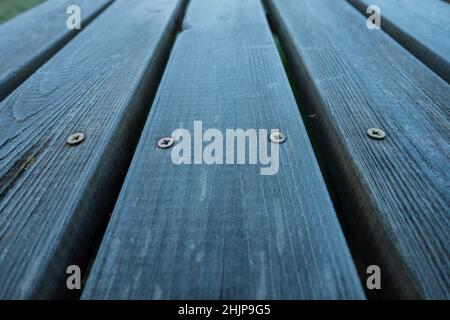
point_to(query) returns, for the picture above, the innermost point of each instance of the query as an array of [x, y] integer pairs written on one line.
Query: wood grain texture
[[53, 196], [395, 191], [224, 231], [422, 27], [31, 39]]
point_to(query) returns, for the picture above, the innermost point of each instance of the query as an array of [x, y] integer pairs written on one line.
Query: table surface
[[208, 220]]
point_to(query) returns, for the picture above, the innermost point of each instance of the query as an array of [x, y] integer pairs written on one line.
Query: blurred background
[[11, 8]]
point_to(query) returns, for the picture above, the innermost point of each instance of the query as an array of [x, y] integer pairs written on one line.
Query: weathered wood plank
[[224, 231], [53, 196], [395, 191], [29, 40], [422, 27]]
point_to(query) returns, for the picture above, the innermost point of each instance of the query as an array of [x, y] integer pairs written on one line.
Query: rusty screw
[[277, 137], [376, 133], [165, 143], [76, 138]]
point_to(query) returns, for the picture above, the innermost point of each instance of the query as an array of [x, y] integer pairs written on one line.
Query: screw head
[[376, 133], [76, 138], [277, 137], [165, 143]]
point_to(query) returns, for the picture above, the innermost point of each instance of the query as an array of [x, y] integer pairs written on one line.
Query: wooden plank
[[32, 38], [395, 191], [420, 26], [53, 197], [224, 231]]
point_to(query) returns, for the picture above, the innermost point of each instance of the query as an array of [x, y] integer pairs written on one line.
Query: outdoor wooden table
[[363, 166]]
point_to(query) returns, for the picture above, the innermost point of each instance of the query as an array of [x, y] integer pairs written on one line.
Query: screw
[[76, 138], [375, 133], [165, 143], [277, 137]]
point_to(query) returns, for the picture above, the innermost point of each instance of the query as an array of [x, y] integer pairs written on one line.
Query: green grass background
[[11, 8]]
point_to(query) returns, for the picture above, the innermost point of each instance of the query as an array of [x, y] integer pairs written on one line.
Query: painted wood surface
[[53, 197], [422, 27], [31, 39], [395, 191], [224, 231]]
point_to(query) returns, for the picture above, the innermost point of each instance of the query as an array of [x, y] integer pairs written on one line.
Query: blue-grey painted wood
[[29, 40], [224, 231], [54, 196], [395, 191], [422, 27]]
